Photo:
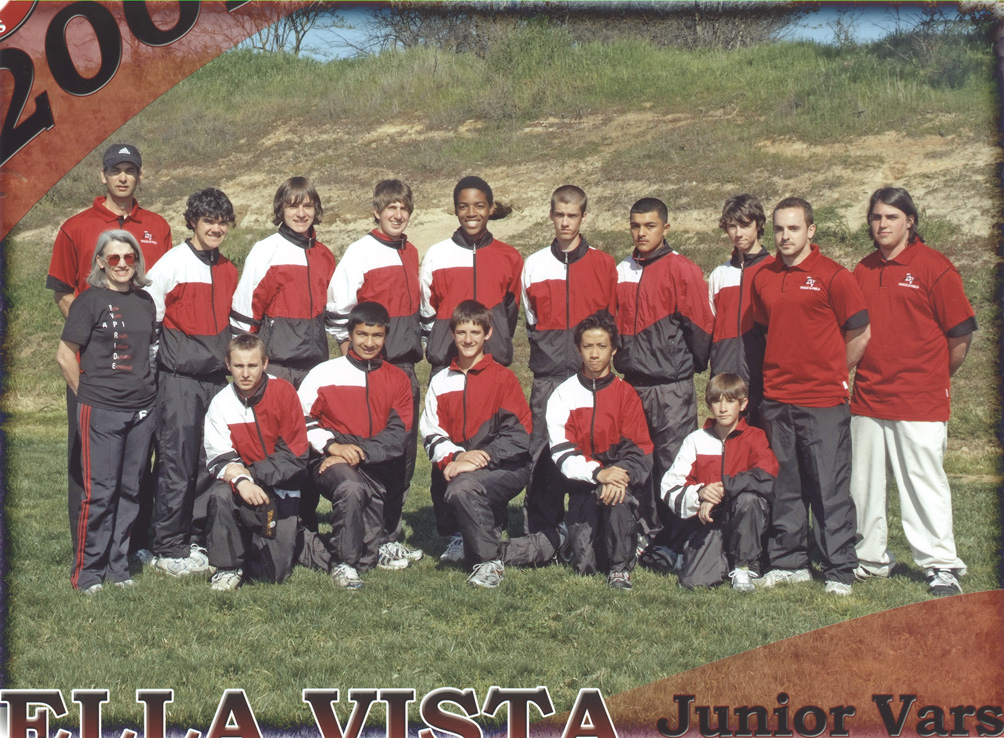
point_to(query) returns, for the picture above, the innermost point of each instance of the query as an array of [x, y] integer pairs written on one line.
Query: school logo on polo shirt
[[810, 284], [908, 282]]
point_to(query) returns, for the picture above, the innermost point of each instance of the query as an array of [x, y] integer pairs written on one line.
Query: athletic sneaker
[[784, 576], [619, 580], [199, 555], [181, 567], [399, 551], [487, 574], [837, 588], [144, 557], [92, 590], [742, 579], [662, 559], [226, 580], [454, 553], [347, 577], [944, 583], [126, 583], [387, 560]]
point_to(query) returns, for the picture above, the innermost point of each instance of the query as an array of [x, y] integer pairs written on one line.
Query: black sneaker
[[943, 583], [619, 580]]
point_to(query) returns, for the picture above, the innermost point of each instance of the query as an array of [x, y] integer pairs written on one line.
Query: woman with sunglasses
[[104, 354]]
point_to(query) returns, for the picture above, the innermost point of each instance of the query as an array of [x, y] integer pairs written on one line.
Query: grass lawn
[[422, 628]]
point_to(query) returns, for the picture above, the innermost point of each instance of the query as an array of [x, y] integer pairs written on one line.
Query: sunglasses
[[113, 259]]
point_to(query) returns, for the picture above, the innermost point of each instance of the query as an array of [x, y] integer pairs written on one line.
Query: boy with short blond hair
[[561, 285], [382, 267], [722, 483], [476, 430], [735, 347]]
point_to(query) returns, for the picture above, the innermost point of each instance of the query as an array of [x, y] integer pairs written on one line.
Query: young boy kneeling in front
[[476, 430], [722, 484], [600, 444]]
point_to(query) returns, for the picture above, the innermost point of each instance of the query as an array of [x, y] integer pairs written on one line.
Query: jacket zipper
[[369, 410], [568, 317]]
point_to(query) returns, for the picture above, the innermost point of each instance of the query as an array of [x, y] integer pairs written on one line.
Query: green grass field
[[425, 628]]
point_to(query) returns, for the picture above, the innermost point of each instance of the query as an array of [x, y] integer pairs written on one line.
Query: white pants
[[914, 451]]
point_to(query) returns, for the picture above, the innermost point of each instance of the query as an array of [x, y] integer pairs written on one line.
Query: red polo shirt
[[73, 250], [916, 303], [805, 309]]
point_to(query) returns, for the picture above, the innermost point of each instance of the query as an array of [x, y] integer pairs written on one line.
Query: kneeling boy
[[600, 443], [256, 446], [722, 477], [476, 430], [359, 416]]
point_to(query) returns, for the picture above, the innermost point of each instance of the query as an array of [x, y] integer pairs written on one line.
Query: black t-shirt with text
[[114, 331]]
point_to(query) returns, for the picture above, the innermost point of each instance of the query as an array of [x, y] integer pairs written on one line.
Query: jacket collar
[[595, 384], [460, 238], [486, 361], [660, 252], [394, 243], [210, 257], [298, 239], [747, 260], [570, 257], [256, 396], [362, 364], [741, 427]]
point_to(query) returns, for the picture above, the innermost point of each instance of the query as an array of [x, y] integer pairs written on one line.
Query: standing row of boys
[[240, 472]]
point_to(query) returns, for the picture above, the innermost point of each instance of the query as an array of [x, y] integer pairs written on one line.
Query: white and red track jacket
[[365, 403], [663, 317], [73, 249], [379, 269], [596, 423], [743, 462], [484, 409], [264, 432], [193, 291], [453, 271], [282, 294], [559, 290], [735, 346]]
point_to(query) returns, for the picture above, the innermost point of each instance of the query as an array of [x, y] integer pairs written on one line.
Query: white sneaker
[[226, 580], [387, 558], [92, 590], [944, 583], [199, 555], [742, 579], [398, 550], [784, 576], [487, 574], [126, 583], [454, 553], [347, 577], [837, 588], [182, 567]]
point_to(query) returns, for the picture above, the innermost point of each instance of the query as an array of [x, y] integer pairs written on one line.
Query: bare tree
[[286, 34]]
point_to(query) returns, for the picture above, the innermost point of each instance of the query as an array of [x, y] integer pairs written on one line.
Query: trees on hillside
[[478, 27]]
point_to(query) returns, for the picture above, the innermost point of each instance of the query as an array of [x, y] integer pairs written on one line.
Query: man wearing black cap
[[121, 170]]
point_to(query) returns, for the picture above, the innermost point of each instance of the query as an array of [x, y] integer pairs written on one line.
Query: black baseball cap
[[118, 153]]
